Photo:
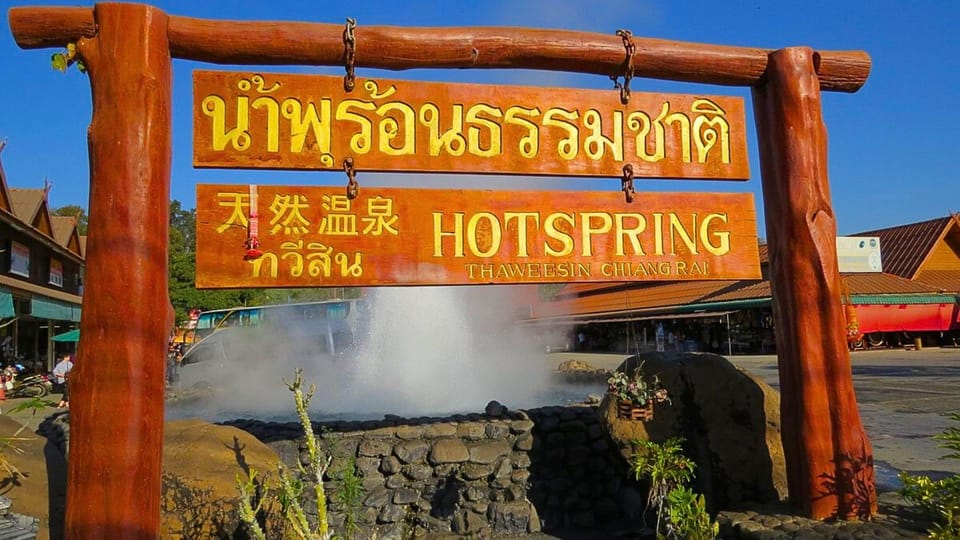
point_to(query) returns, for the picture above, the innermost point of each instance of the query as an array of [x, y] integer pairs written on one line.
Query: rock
[[201, 462], [390, 465], [378, 497], [407, 432], [511, 517], [474, 471], [405, 496], [391, 513], [497, 431], [374, 448], [448, 451], [495, 409], [521, 426], [729, 419], [486, 453], [467, 522], [411, 451], [575, 365]]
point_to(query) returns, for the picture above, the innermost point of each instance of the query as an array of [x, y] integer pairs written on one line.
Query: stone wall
[[495, 473]]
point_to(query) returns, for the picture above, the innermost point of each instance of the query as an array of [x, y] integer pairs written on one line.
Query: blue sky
[[891, 157]]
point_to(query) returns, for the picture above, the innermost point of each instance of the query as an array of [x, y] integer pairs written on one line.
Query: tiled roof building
[[41, 269]]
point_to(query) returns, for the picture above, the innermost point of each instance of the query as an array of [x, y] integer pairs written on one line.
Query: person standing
[[61, 374]]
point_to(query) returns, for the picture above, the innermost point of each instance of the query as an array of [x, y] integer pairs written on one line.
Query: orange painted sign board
[[315, 236], [295, 121]]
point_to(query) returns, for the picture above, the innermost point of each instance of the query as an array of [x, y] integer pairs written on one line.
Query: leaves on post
[[62, 60], [58, 61]]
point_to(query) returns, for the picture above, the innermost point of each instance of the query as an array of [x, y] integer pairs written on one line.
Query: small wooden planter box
[[631, 411]]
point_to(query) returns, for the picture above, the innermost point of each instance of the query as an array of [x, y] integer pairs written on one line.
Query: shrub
[[938, 499], [668, 470]]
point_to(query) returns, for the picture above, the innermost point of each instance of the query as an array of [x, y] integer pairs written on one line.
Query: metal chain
[[626, 183], [630, 48], [352, 185], [349, 54]]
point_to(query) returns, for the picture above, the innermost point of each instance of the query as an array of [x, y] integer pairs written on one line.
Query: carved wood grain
[[117, 386], [830, 460], [398, 48]]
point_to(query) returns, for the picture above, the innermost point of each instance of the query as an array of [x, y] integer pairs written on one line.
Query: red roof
[[905, 247]]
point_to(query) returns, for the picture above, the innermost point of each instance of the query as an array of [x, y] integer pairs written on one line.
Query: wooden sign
[[286, 121], [315, 237]]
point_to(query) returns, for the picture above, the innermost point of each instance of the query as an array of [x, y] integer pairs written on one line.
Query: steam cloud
[[425, 351]]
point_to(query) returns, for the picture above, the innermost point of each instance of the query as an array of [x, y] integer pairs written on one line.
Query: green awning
[[6, 304], [897, 299], [47, 308], [72, 336]]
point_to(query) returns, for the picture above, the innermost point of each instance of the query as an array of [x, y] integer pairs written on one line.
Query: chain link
[[630, 49], [626, 183], [349, 54], [352, 185]]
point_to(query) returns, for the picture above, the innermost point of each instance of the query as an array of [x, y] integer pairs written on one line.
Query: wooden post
[[117, 386], [829, 458]]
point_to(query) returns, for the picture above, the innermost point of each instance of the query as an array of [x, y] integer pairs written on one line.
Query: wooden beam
[[117, 386], [399, 48], [829, 458]]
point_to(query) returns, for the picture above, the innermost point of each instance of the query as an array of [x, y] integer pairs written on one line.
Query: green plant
[[667, 470], [350, 496], [8, 444], [60, 61], [639, 388], [687, 515], [248, 509], [938, 499], [664, 466], [291, 487]]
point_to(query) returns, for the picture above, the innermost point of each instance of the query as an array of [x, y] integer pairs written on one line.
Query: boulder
[[201, 462], [579, 371], [38, 487], [730, 421], [575, 365]]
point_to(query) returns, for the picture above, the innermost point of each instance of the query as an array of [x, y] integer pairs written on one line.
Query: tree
[[73, 210], [182, 271]]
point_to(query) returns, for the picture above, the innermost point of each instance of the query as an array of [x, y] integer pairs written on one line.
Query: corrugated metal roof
[[740, 290], [883, 283], [631, 298], [941, 280], [611, 299], [577, 289], [904, 248]]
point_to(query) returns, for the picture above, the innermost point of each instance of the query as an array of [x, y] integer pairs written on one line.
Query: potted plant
[[635, 395]]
